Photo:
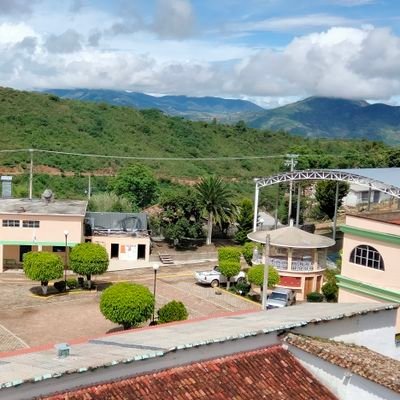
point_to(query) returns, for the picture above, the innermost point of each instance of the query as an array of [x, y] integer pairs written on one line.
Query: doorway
[[308, 286], [114, 250], [141, 254], [23, 249]]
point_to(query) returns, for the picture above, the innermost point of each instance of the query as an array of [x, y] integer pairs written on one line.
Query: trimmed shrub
[[172, 311], [315, 297], [247, 251], [127, 304], [229, 253], [89, 259], [255, 275], [72, 283], [229, 269], [43, 266], [330, 291]]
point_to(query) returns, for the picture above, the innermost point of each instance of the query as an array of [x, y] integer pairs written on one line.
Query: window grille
[[367, 256]]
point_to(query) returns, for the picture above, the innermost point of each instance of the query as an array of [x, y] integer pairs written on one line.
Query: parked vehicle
[[281, 297], [215, 278]]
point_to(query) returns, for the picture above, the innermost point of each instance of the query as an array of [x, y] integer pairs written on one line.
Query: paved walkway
[[9, 341]]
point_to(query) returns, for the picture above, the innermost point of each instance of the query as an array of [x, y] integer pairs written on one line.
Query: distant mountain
[[333, 118], [195, 108]]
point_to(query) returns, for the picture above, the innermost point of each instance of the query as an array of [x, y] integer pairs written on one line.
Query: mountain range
[[315, 117], [194, 108]]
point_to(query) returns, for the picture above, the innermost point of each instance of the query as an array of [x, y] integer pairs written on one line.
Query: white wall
[[373, 330], [344, 384]]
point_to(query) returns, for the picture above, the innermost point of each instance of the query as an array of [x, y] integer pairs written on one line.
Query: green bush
[[43, 266], [242, 288], [172, 311], [255, 275], [87, 259], [72, 283], [315, 297], [229, 269], [247, 251], [127, 304], [229, 254], [59, 286], [330, 291]]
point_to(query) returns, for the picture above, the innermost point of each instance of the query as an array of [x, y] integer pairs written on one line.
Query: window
[[58, 249], [31, 224], [11, 222], [367, 256]]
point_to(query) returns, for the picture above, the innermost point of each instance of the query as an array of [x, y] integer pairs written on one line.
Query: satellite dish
[[47, 195]]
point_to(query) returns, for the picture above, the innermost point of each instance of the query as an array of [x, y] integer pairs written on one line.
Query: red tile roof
[[358, 359], [271, 373]]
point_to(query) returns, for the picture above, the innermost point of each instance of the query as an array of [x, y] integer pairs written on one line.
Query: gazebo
[[299, 256]]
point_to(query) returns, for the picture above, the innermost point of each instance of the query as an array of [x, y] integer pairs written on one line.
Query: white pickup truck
[[215, 278]]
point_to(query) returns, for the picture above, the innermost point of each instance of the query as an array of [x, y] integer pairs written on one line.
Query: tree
[[216, 201], [104, 202], [180, 217], [137, 183], [325, 195], [255, 275], [244, 220], [127, 304], [172, 311], [89, 259], [43, 266], [229, 262], [248, 250]]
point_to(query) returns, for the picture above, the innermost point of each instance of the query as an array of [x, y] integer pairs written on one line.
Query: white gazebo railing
[[279, 263]]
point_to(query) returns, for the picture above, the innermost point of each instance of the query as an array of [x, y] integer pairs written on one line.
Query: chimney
[[6, 187]]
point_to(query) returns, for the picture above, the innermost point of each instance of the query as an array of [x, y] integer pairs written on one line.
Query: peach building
[[39, 225], [299, 257], [370, 262]]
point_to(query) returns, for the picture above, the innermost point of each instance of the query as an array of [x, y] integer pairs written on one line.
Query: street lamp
[[156, 266], [65, 258]]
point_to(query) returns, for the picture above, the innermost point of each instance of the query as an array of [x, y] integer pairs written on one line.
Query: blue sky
[[268, 51]]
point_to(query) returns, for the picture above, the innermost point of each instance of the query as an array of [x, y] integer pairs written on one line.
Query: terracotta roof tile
[[267, 373], [358, 359]]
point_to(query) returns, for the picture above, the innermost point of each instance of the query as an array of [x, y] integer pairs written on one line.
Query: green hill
[[333, 118], [44, 121]]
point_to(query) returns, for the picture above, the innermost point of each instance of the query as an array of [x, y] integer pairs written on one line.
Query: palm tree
[[216, 201]]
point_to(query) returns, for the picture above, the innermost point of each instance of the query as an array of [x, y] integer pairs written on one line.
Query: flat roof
[[155, 342], [389, 217], [40, 207]]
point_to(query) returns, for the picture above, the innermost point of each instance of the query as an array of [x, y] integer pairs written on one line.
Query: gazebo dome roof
[[293, 237]]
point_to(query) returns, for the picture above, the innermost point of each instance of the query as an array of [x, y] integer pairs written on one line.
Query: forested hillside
[[43, 121]]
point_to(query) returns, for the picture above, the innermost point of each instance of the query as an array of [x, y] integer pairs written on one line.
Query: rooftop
[[271, 372], [40, 207], [126, 348], [373, 366], [389, 217], [293, 237]]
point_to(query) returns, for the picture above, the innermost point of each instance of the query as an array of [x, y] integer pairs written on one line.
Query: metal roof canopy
[[385, 180]]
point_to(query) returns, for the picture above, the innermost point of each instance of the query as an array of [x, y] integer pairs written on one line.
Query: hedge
[[255, 275], [172, 311]]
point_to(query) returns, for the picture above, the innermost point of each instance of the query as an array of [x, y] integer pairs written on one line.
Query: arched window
[[367, 256]]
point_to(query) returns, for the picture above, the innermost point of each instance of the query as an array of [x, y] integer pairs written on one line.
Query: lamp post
[[266, 271], [156, 266], [66, 258]]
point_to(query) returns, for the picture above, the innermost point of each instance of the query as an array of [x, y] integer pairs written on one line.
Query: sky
[[271, 52]]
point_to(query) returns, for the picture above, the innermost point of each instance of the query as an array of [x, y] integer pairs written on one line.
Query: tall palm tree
[[216, 201]]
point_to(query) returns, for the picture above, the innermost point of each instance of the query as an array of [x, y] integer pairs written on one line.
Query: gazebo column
[[315, 259], [289, 258]]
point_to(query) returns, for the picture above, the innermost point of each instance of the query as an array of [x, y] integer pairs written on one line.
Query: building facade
[[370, 261]]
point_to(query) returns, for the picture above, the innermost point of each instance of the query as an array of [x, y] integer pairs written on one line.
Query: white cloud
[[291, 23], [67, 42]]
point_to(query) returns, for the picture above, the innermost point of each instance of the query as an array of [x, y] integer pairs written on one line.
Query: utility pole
[[335, 214], [266, 272], [292, 163], [89, 192], [256, 193], [31, 174]]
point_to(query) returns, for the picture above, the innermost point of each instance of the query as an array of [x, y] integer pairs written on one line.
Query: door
[[22, 250], [318, 288], [308, 286], [114, 250], [141, 252]]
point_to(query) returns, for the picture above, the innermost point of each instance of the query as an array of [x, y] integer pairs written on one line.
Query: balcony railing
[[297, 265]]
